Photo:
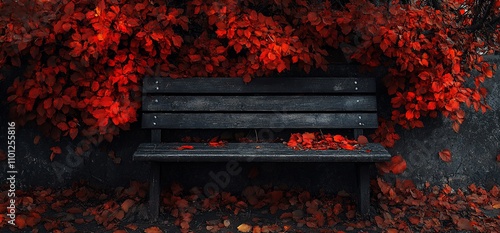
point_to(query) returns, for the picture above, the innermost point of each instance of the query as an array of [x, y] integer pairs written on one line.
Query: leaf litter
[[398, 207]]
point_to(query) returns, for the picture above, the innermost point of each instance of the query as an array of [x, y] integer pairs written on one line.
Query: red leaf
[[464, 224], [20, 221], [362, 140], [66, 26], [487, 71], [284, 48], [34, 92], [456, 68], [281, 67], [73, 132], [209, 68], [194, 57], [127, 204], [140, 6], [69, 8], [62, 126], [431, 106], [177, 41], [153, 230], [52, 156], [456, 127], [445, 155], [106, 101], [58, 103], [313, 18], [95, 86], [36, 140], [247, 78], [131, 226], [216, 144], [56, 150], [414, 220], [50, 80], [185, 147], [498, 158], [22, 45], [237, 47], [398, 164], [338, 138]]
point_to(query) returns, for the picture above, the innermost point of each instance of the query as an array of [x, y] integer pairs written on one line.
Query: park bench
[[264, 103]]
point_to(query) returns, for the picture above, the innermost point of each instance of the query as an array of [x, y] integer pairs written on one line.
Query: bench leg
[[154, 191], [363, 187]]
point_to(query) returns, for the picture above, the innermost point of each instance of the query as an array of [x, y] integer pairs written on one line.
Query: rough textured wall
[[474, 150]]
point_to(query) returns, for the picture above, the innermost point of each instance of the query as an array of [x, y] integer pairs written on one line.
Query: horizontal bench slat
[[199, 85], [258, 120], [255, 152], [260, 103]]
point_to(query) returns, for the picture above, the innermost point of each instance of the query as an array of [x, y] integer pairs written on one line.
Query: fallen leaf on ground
[[131, 226], [127, 204], [153, 230], [244, 228], [445, 155], [36, 140]]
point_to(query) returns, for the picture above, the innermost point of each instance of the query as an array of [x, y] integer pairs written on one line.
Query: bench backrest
[[280, 102]]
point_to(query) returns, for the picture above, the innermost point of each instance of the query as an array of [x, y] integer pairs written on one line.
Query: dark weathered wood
[[293, 103], [357, 133], [155, 179], [364, 186], [258, 120], [257, 152], [260, 85], [154, 191], [156, 135]]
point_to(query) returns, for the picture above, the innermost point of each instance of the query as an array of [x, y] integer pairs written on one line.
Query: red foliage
[[317, 141], [82, 61]]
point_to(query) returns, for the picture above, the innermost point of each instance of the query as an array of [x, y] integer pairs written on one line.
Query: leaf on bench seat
[[185, 147], [215, 142], [318, 141]]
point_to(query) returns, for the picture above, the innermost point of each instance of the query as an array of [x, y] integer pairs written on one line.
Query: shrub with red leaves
[[82, 61]]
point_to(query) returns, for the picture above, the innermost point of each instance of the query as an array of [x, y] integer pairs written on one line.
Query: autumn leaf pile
[[395, 208], [318, 141], [80, 63]]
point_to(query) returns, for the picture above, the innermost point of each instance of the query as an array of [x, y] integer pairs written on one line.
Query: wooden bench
[[264, 103]]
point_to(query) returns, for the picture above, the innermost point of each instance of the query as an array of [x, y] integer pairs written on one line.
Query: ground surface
[[398, 207]]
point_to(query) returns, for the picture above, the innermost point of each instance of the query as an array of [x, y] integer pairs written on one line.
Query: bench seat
[[255, 152]]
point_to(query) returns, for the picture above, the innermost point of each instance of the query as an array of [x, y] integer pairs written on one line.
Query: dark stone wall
[[474, 150]]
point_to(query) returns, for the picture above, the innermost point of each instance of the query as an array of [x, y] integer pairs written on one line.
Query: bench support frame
[[155, 178]]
